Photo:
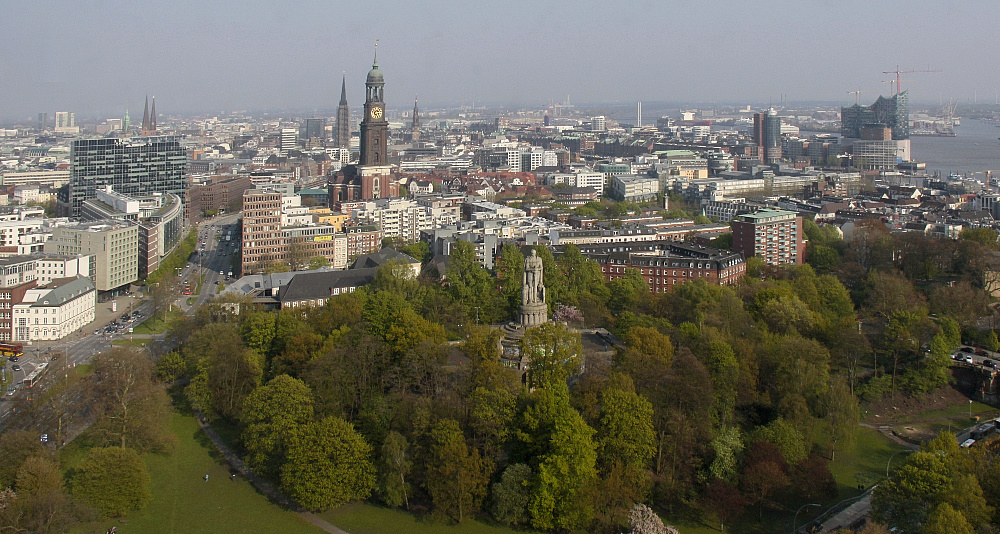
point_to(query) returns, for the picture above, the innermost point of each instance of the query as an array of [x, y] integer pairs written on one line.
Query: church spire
[[152, 117], [145, 117], [343, 91]]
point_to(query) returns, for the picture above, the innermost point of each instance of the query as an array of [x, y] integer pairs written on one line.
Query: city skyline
[[261, 56]]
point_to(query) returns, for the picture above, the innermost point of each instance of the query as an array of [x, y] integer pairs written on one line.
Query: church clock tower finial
[[374, 126]]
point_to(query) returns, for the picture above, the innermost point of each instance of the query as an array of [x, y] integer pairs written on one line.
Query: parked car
[[968, 359], [966, 349], [990, 363], [16, 367], [980, 352]]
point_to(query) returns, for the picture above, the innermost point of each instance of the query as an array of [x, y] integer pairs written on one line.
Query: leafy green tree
[[257, 329], [113, 480], [627, 290], [554, 353], [420, 250], [986, 237], [456, 476], [914, 487], [727, 446], [843, 416], [626, 433], [394, 468], [271, 415], [785, 437], [38, 502], [559, 446], [509, 272], [16, 446], [131, 407], [318, 262], [947, 520], [328, 464], [491, 418], [512, 494], [469, 283]]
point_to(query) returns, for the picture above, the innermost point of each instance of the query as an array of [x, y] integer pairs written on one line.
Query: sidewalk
[[262, 485], [102, 316]]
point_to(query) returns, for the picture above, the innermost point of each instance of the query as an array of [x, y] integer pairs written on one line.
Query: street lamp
[[796, 517]]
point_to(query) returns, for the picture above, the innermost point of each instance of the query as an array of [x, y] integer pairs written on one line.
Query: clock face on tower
[[376, 113]]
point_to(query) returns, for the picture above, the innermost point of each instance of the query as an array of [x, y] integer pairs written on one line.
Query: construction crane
[[892, 84], [897, 72], [857, 96]]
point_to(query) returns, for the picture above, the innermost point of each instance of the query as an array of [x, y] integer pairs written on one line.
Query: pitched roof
[[320, 284]]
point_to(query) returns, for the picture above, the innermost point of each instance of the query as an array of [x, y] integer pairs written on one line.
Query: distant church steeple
[[415, 130], [149, 118], [145, 116], [343, 137]]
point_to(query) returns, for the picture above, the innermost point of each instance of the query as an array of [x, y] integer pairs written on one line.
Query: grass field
[[364, 518], [183, 503], [156, 325]]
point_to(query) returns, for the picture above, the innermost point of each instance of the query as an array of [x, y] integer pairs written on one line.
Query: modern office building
[[137, 166], [775, 236], [160, 218], [893, 112], [114, 244], [767, 135], [313, 129]]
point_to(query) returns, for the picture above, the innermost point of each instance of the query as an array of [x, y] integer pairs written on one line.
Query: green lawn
[[364, 518], [156, 325], [184, 503], [865, 463]]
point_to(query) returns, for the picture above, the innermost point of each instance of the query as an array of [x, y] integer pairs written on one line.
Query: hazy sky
[[99, 57]]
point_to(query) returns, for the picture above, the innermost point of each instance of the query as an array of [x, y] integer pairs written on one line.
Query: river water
[[974, 148]]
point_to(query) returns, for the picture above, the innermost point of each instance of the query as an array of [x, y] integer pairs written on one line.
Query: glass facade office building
[[134, 166]]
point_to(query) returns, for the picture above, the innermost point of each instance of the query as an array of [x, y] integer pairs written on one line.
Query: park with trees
[[723, 406]]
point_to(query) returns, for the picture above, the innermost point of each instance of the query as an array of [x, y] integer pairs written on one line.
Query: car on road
[[220, 272], [13, 359], [980, 352], [10, 391], [97, 332], [44, 438], [968, 359], [15, 367], [966, 349], [990, 363]]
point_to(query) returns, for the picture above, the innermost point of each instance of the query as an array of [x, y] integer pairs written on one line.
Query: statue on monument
[[534, 311]]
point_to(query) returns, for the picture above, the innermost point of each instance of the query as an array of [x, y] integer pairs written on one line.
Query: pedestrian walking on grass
[[206, 477]]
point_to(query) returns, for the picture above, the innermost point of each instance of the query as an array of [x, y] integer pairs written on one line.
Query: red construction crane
[[897, 72]]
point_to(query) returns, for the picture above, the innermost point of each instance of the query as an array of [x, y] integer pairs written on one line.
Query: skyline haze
[[102, 58]]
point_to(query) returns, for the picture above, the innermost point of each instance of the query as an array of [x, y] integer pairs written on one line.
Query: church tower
[[343, 118], [415, 129], [152, 118], [374, 126]]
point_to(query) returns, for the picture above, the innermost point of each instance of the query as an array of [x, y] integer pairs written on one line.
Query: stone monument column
[[534, 310]]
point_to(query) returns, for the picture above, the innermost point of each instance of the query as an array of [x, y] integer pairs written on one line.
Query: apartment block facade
[[775, 236]]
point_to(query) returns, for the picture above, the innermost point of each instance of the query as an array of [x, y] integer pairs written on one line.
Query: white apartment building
[[578, 179], [53, 266], [634, 187], [56, 310], [403, 219]]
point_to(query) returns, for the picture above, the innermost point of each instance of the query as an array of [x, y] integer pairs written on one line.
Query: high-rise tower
[[415, 130], [343, 138], [374, 126]]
